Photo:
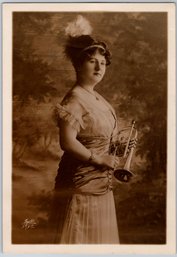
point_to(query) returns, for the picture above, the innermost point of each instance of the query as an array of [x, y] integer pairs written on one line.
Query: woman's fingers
[[116, 162], [110, 161]]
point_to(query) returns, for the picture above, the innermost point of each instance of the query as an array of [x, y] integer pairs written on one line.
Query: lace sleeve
[[70, 111]]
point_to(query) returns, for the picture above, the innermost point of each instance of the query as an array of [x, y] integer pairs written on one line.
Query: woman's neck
[[88, 87]]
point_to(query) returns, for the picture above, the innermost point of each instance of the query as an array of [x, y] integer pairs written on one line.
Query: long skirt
[[90, 219]]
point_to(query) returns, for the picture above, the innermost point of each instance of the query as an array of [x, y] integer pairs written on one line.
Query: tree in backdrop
[[32, 86], [31, 76], [33, 125]]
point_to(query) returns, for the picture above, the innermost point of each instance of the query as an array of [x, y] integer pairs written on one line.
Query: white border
[[170, 247]]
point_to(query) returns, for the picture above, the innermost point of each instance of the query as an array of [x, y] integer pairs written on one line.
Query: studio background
[[135, 84]]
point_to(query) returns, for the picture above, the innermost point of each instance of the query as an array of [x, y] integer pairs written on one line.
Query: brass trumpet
[[124, 174]]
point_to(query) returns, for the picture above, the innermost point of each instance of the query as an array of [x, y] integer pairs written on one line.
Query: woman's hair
[[78, 49]]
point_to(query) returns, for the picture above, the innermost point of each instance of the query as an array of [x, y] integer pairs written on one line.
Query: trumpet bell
[[123, 175]]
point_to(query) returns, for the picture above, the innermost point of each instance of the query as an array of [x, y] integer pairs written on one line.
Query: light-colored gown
[[89, 215]]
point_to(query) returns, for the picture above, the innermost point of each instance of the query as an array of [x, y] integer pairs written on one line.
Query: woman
[[83, 208]]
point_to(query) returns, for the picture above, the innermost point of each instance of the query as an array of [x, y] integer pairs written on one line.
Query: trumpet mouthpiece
[[133, 122]]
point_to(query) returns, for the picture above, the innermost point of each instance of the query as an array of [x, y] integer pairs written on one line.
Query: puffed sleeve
[[71, 111]]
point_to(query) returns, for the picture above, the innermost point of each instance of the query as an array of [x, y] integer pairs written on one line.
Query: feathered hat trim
[[79, 39], [80, 26]]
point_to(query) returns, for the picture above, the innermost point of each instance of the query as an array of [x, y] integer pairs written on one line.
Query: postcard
[[89, 128]]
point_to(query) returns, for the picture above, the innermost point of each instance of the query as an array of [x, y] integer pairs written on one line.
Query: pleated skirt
[[91, 219]]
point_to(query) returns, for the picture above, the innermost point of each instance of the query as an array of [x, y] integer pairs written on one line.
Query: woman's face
[[93, 69]]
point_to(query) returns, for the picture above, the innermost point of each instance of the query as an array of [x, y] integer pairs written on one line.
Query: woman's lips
[[97, 74]]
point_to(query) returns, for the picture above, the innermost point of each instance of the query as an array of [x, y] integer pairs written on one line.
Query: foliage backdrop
[[135, 84]]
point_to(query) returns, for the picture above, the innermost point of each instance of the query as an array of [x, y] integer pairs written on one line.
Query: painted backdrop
[[135, 84]]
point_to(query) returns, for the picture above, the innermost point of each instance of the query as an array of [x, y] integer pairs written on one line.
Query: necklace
[[93, 94]]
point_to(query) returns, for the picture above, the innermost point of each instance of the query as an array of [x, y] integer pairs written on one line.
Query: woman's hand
[[109, 161]]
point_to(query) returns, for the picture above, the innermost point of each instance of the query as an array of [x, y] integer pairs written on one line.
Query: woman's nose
[[97, 66]]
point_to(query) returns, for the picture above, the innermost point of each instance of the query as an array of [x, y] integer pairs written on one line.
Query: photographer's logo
[[29, 224]]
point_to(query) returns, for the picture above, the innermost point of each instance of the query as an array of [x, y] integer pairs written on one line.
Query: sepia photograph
[[91, 111]]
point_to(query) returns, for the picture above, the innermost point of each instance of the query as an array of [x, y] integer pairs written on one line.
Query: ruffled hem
[[62, 113]]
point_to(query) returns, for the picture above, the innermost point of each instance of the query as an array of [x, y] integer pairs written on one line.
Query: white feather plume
[[80, 26]]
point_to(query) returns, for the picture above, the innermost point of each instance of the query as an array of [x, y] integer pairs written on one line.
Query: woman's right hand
[[109, 161]]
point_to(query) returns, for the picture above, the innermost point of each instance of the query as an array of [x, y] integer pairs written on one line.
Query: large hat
[[85, 42], [79, 38]]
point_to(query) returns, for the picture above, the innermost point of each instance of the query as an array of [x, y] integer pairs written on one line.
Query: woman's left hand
[[121, 162]]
